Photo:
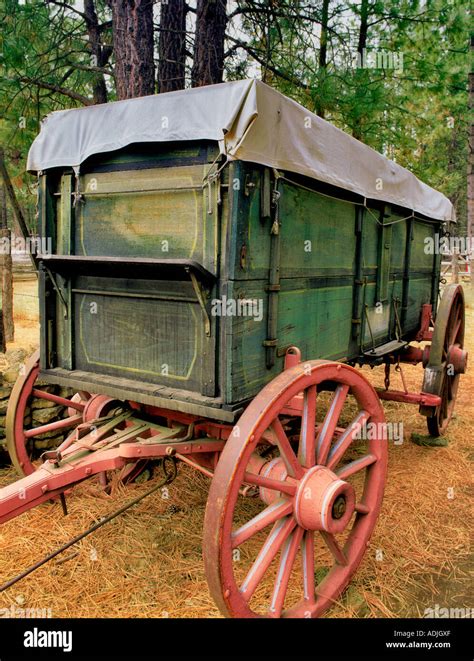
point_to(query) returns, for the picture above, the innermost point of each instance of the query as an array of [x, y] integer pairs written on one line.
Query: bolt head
[[339, 507]]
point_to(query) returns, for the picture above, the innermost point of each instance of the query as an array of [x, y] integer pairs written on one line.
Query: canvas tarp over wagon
[[222, 259]]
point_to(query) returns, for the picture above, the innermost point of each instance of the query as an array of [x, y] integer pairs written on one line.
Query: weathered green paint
[[152, 203]]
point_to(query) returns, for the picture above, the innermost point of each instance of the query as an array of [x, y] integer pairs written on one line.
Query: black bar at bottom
[[245, 639]]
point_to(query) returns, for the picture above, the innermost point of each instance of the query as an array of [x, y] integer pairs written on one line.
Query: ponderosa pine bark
[[361, 46], [100, 54], [132, 24], [211, 21], [470, 166], [172, 46], [323, 48]]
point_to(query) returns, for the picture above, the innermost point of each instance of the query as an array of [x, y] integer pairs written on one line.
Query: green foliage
[[44, 64], [411, 104]]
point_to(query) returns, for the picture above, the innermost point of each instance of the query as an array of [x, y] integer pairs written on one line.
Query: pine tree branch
[[56, 88]]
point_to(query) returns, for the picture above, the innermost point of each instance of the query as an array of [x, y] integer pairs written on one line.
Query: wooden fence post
[[6, 264], [19, 216], [3, 347]]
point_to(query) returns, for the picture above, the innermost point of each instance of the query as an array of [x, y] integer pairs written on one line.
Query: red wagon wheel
[[447, 359], [18, 437], [294, 549]]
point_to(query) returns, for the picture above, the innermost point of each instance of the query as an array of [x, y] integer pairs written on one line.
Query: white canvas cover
[[251, 122]]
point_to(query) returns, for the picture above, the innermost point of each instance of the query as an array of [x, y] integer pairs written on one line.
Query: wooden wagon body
[[220, 260], [161, 287]]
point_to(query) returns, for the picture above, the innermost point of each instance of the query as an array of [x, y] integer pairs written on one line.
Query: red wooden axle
[[422, 398]]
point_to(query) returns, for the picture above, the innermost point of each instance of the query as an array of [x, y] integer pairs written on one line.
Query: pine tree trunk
[[172, 46], [99, 54], [132, 23], [357, 130], [470, 166], [3, 346], [211, 21], [322, 59]]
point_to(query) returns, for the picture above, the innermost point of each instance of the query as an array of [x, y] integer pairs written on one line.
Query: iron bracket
[[200, 297], [57, 290]]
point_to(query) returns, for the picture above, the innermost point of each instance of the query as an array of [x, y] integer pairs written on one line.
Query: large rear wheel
[[317, 478]]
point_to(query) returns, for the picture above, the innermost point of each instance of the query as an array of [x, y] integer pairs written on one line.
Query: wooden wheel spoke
[[355, 466], [330, 422], [62, 401], [287, 560], [307, 550], [53, 426], [280, 532], [446, 398], [339, 449], [294, 467], [333, 546], [269, 515], [450, 388], [455, 332], [270, 483], [307, 446]]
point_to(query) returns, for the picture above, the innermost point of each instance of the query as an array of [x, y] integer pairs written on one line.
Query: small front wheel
[[20, 433]]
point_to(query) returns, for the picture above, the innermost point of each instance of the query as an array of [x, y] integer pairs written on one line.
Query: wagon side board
[[351, 276]]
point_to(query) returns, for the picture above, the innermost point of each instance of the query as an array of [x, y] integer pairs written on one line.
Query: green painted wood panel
[[142, 325], [317, 280], [317, 233], [246, 251], [142, 330], [158, 212], [140, 205]]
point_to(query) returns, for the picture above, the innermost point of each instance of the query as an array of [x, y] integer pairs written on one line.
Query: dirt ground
[[26, 312], [147, 562]]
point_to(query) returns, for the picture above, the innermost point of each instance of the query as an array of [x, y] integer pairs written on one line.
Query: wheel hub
[[98, 406], [323, 501], [276, 470], [457, 357]]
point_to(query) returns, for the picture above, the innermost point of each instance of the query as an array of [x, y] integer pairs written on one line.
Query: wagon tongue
[[92, 448]]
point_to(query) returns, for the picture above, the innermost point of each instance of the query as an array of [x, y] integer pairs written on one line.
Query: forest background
[[395, 74]]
